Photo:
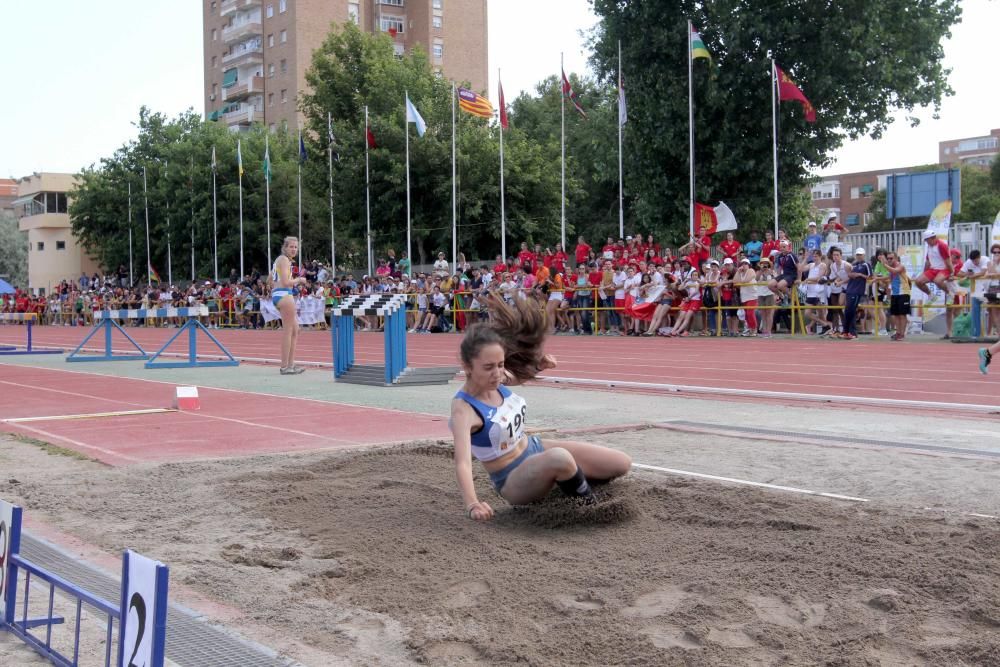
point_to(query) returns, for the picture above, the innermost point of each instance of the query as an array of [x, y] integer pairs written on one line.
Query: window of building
[[213, 6], [41, 246], [436, 4], [60, 245], [270, 69], [867, 190], [270, 40], [852, 220], [284, 36], [270, 99], [284, 66], [868, 218], [392, 22], [947, 150], [855, 192], [398, 3], [436, 21], [269, 12], [354, 12], [284, 95], [214, 90], [437, 50], [214, 36], [282, 6], [213, 61]]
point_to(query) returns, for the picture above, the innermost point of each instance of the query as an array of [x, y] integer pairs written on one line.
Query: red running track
[[921, 371], [229, 423]]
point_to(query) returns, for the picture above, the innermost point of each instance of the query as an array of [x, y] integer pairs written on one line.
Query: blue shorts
[[278, 293], [499, 478]]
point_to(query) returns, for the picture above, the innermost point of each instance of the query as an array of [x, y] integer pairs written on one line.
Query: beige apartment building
[[257, 51], [53, 253]]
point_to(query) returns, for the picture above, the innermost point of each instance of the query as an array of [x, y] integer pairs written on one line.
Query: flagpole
[[130, 280], [300, 199], [690, 135], [368, 206], [409, 254], [215, 223], [454, 206], [267, 194], [774, 142], [562, 149], [503, 216], [191, 193], [240, 154], [149, 260], [621, 200], [333, 238], [170, 262]]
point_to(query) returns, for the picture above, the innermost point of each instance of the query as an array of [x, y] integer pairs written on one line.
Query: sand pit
[[368, 559]]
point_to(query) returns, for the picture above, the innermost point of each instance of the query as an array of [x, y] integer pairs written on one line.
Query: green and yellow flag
[[698, 49]]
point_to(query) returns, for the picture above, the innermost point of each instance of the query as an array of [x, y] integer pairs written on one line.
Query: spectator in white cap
[[937, 265], [857, 282]]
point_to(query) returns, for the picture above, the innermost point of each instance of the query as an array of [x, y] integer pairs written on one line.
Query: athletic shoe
[[293, 370], [984, 360]]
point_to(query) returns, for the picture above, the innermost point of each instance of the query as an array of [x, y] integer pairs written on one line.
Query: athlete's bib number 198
[[515, 427]]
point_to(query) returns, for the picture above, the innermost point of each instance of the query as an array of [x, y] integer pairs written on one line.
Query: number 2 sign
[[144, 612]]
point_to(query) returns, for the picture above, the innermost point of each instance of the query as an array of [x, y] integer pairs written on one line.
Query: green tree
[[857, 62], [351, 70], [13, 251]]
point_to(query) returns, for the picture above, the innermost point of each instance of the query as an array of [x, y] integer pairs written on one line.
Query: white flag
[[413, 116], [725, 218]]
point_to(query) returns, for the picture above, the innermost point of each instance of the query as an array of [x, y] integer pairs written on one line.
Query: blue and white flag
[[413, 116]]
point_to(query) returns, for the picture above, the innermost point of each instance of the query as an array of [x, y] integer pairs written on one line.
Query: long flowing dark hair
[[518, 327]]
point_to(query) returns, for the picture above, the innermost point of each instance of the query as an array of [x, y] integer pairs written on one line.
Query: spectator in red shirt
[[730, 247], [526, 258], [770, 244], [582, 251], [651, 244], [609, 247], [499, 266], [699, 250], [559, 260]]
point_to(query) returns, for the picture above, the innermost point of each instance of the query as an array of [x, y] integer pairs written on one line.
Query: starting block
[[187, 399]]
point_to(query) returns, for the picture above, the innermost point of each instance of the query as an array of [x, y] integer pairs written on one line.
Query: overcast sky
[[77, 73]]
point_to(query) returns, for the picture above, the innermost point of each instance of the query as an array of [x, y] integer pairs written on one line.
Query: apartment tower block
[[257, 51]]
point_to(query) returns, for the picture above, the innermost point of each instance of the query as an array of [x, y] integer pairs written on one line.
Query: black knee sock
[[576, 486]]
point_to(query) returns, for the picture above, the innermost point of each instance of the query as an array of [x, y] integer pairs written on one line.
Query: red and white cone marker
[[187, 399]]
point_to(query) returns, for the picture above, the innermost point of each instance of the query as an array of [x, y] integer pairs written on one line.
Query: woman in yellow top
[[282, 289]]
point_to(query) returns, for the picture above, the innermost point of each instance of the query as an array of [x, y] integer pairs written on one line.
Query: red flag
[[370, 137], [705, 220], [503, 108], [567, 91], [393, 31], [787, 90]]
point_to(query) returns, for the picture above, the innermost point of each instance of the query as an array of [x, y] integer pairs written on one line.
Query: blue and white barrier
[[29, 320], [141, 613], [392, 307]]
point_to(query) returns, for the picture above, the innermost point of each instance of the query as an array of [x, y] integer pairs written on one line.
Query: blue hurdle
[[392, 307], [141, 613], [192, 326], [29, 320]]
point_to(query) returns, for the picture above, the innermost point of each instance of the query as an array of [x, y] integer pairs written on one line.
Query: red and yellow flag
[[787, 90], [474, 103]]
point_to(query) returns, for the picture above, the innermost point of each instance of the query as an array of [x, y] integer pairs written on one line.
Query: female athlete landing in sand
[[488, 419], [282, 287]]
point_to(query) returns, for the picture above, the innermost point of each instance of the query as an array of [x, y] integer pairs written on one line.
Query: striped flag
[[331, 140], [698, 49], [475, 104], [153, 275], [302, 148], [622, 108], [267, 161], [239, 157], [568, 92], [213, 159]]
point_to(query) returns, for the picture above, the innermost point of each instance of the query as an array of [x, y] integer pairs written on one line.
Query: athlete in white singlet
[[488, 423], [282, 287]]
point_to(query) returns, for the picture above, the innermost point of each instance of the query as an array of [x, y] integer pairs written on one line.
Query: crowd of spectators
[[631, 286]]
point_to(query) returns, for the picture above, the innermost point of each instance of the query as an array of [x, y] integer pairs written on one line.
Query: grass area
[[49, 448]]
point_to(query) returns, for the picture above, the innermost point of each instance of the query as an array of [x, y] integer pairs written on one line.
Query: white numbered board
[[139, 644]]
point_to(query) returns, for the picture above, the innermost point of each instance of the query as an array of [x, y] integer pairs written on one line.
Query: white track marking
[[746, 482], [91, 415], [756, 393], [77, 443]]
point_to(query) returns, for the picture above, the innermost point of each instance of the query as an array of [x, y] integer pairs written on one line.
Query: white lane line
[[90, 415], [757, 393], [746, 482]]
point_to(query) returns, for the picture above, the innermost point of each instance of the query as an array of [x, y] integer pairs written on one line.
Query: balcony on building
[[240, 114], [240, 30], [229, 6], [240, 90], [244, 54]]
